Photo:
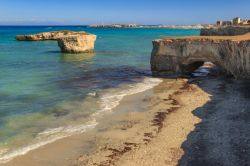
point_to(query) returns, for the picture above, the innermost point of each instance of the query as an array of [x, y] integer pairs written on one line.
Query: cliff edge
[[186, 54]]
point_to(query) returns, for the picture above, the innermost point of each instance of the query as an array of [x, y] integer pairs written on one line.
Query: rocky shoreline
[[225, 31]]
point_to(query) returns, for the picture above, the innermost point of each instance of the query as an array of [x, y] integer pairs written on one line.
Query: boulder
[[185, 54], [77, 43]]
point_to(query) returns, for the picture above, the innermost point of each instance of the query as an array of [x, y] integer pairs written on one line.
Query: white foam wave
[[107, 102], [112, 99], [93, 94], [46, 137], [2, 151], [67, 130]]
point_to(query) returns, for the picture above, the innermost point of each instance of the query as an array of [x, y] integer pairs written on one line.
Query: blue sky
[[69, 12]]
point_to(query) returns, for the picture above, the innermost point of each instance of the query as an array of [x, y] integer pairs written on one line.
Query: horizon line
[[102, 24]]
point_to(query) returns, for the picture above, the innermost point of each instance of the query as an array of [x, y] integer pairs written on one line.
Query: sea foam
[[112, 99], [46, 137], [108, 101]]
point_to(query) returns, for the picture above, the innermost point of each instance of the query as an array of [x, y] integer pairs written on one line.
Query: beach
[[106, 108], [179, 123], [157, 141], [139, 126], [47, 95]]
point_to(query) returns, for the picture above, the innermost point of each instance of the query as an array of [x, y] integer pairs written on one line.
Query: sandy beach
[[145, 128], [175, 123], [187, 124]]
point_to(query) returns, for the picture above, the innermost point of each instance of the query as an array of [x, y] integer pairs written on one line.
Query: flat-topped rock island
[[68, 41], [185, 54]]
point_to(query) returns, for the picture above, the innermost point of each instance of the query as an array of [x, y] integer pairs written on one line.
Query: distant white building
[[236, 21], [245, 22], [227, 23], [219, 23]]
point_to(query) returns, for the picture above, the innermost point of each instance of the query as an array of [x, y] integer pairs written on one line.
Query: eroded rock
[[54, 35], [225, 31], [180, 55], [77, 43], [68, 41]]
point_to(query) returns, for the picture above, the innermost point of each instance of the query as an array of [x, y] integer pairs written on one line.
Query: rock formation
[[185, 54], [77, 43], [225, 31], [68, 41], [54, 35]]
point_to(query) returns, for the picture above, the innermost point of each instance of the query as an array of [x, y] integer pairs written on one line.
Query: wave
[[107, 101], [48, 136], [112, 99]]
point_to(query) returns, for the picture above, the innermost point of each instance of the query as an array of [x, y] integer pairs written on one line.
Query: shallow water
[[46, 95]]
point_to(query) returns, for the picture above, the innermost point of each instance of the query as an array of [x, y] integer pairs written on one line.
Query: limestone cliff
[[225, 31], [182, 55]]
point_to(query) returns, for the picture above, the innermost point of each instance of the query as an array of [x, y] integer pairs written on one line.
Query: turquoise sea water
[[46, 95]]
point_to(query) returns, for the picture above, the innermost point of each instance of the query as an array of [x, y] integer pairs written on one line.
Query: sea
[[46, 95]]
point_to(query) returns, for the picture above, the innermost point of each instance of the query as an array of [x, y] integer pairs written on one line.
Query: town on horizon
[[237, 21], [234, 21]]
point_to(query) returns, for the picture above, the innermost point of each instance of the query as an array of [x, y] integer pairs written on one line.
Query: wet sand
[[203, 122]]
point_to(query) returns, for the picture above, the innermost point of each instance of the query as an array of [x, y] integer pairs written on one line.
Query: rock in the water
[[54, 35], [68, 41], [225, 31], [181, 55], [77, 43]]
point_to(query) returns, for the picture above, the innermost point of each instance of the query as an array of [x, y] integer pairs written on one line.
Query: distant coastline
[[198, 26], [120, 26], [195, 26]]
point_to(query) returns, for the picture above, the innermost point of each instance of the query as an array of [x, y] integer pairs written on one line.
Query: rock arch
[[179, 55], [196, 57]]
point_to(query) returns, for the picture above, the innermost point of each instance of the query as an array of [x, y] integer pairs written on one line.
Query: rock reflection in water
[[77, 57]]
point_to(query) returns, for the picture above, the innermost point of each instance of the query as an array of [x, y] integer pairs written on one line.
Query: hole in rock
[[202, 69]]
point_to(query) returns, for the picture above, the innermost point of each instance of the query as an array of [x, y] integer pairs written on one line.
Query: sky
[[150, 12]]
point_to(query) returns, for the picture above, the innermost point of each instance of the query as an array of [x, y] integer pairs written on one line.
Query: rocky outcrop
[[77, 43], [68, 41], [184, 55], [48, 35], [225, 31]]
